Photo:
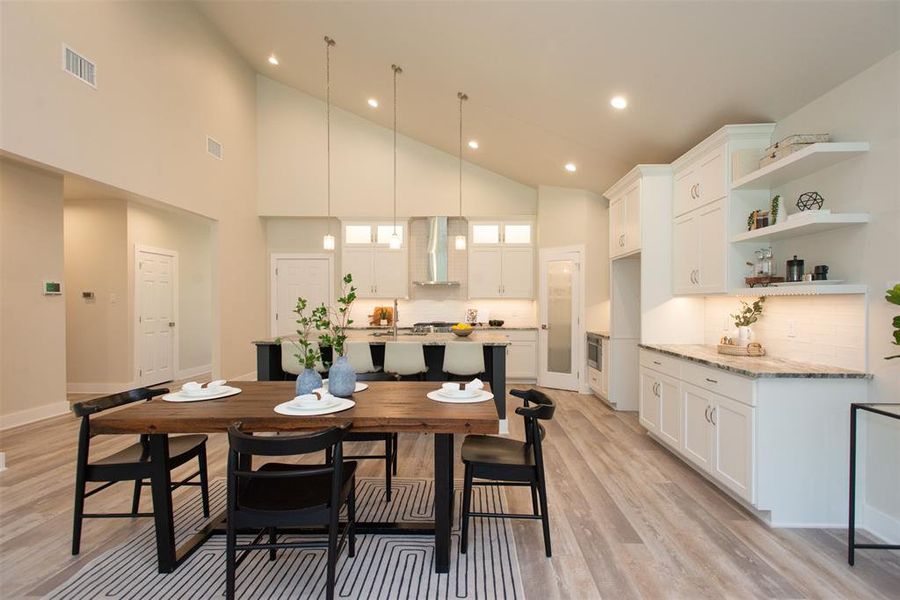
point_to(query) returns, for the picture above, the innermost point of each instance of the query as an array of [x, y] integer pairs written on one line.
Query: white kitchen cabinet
[[700, 250], [521, 356], [501, 260], [669, 390], [701, 182], [378, 270], [604, 371], [625, 221], [648, 407], [733, 438], [696, 436]]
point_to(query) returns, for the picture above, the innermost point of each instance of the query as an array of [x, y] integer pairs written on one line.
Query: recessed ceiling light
[[571, 168], [473, 144], [273, 60], [373, 102], [619, 102]]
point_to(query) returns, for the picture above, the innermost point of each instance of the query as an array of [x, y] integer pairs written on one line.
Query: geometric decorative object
[[810, 201]]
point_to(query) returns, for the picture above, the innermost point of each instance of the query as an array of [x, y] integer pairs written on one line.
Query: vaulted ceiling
[[540, 75]]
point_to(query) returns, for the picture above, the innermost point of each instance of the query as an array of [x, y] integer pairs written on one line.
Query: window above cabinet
[[372, 233], [501, 233]]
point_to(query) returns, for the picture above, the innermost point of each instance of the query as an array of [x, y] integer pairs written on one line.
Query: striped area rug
[[385, 566]]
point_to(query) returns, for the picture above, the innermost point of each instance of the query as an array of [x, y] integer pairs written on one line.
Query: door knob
[[171, 323], [544, 326]]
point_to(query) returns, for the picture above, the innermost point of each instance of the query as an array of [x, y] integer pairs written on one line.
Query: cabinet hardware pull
[[711, 380], [698, 190], [712, 415], [706, 415], [656, 362]]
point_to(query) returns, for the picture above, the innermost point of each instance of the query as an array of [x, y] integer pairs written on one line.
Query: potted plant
[[773, 210], [383, 316], [893, 296], [332, 322], [747, 316], [308, 353]]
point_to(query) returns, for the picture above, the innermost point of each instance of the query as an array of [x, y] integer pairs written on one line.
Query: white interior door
[[309, 277], [561, 337], [155, 307]]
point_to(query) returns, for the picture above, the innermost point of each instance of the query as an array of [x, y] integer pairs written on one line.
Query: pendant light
[[459, 242], [328, 240], [395, 241]]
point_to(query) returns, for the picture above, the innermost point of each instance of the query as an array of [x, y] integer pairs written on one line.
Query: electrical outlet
[[792, 328]]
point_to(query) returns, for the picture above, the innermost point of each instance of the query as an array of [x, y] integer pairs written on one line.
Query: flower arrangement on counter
[[893, 296]]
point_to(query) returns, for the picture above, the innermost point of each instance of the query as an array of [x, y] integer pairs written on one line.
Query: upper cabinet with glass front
[[501, 259], [378, 270]]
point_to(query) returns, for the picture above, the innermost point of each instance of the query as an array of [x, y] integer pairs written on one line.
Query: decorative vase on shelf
[[307, 381], [341, 378], [744, 336]]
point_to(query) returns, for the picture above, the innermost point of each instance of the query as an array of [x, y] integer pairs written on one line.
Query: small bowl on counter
[[496, 322], [462, 330]]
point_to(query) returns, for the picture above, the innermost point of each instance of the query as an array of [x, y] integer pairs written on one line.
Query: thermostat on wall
[[52, 288]]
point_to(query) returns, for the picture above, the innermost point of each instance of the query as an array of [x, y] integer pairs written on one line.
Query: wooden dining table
[[386, 406]]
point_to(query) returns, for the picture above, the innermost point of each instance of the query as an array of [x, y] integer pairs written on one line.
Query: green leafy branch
[[308, 353], [750, 313], [893, 296], [333, 321]]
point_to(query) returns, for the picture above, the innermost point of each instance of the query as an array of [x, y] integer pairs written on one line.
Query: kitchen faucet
[[396, 315]]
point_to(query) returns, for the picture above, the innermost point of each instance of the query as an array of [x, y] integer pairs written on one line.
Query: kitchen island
[[495, 342]]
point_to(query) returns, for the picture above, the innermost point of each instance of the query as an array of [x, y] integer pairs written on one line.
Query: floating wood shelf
[[812, 289], [805, 223], [799, 164]]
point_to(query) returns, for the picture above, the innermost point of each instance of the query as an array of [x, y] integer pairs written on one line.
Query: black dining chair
[[278, 496], [501, 461], [130, 464]]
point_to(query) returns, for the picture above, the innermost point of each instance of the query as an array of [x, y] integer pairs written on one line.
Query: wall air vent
[[214, 148], [79, 66]]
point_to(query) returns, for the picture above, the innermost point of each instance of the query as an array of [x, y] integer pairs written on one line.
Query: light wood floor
[[628, 519]]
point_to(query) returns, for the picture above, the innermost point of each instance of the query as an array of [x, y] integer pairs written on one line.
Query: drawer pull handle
[[656, 362], [711, 380], [706, 415]]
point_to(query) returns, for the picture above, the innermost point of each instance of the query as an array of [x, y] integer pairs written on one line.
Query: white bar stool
[[290, 363], [404, 358], [463, 358], [360, 356]]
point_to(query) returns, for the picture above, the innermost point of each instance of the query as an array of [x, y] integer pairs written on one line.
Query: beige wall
[[98, 346], [100, 237], [166, 79], [865, 108], [32, 326], [292, 179], [568, 217]]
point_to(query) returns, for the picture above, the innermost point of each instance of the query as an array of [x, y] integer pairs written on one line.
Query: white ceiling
[[540, 75]]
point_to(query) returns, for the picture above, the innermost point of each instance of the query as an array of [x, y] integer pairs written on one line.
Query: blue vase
[[341, 378], [307, 381]]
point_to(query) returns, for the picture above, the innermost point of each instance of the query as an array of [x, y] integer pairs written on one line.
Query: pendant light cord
[[397, 70], [462, 97], [328, 44]]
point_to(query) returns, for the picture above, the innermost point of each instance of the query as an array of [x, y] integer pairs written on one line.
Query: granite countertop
[[486, 337], [477, 328], [754, 366], [598, 333]]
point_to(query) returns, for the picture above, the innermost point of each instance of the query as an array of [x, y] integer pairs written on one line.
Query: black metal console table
[[891, 411]]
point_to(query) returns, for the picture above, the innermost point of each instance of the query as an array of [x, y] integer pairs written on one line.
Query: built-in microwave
[[594, 351]]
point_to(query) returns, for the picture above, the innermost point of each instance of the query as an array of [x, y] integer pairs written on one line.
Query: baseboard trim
[[194, 371], [38, 413], [880, 524], [99, 388], [251, 376]]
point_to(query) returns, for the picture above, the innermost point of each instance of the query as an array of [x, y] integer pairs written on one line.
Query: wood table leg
[[443, 493], [161, 487]]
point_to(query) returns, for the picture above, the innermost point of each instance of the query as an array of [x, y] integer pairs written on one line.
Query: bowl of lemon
[[462, 329]]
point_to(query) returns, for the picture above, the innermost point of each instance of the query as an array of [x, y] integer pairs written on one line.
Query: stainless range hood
[[436, 254]]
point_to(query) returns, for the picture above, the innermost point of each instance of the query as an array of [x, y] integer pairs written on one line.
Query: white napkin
[[191, 386], [475, 384]]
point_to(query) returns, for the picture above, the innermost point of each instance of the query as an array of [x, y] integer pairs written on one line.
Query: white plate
[[286, 409], [360, 386], [459, 394], [481, 397], [813, 282], [223, 393]]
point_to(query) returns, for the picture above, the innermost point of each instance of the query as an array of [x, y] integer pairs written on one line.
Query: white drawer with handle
[[668, 365], [719, 381]]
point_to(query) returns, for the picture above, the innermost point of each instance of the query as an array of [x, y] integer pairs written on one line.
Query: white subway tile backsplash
[[827, 330]]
